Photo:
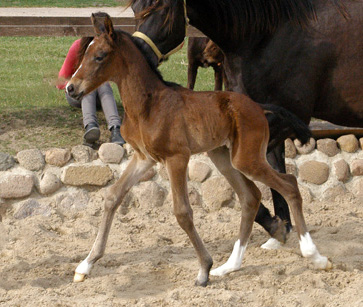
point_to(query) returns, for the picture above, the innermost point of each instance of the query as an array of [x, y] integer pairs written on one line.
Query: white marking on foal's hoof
[[234, 261], [271, 243], [309, 250], [79, 277]]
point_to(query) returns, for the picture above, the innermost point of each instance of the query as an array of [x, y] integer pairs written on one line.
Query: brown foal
[[167, 123]]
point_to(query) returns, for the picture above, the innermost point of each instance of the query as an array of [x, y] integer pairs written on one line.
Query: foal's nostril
[[70, 89]]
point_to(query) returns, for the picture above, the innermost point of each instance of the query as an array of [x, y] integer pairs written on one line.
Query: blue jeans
[[103, 96]]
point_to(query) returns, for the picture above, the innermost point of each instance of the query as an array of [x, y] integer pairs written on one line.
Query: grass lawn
[[33, 113], [61, 3]]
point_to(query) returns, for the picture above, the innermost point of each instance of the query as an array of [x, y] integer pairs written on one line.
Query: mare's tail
[[284, 124]]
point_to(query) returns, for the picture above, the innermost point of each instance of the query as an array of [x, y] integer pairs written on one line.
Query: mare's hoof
[[271, 244], [78, 277], [278, 230], [201, 284]]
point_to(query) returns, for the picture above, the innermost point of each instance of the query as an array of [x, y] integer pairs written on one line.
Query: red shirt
[[68, 67]]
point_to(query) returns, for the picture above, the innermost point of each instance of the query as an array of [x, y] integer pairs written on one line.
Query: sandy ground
[[149, 260]]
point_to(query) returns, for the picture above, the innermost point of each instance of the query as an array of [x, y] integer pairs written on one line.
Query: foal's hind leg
[[177, 170], [286, 185], [222, 160], [250, 203], [134, 171]]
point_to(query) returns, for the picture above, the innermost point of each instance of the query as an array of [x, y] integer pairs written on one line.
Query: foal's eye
[[100, 57]]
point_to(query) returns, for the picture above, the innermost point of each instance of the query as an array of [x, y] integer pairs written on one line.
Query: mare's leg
[[177, 170], [282, 213], [218, 78], [192, 74], [277, 161], [252, 162], [221, 158], [250, 203], [134, 171]]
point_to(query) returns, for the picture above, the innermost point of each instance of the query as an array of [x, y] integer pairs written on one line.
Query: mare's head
[[98, 63], [163, 22]]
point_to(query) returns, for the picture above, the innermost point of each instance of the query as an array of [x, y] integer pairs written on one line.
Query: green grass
[[61, 3], [34, 113]]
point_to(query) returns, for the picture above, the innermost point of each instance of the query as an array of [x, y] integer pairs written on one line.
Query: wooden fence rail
[[63, 26]]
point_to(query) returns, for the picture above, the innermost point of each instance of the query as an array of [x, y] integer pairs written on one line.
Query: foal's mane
[[120, 33]]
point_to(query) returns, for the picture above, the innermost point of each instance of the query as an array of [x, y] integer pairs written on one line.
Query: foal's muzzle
[[71, 91]]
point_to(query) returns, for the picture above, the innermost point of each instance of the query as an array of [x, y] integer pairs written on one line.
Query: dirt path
[[149, 260]]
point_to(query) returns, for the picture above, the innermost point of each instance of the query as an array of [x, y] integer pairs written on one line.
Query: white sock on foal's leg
[[309, 250], [82, 270], [84, 267], [234, 261]]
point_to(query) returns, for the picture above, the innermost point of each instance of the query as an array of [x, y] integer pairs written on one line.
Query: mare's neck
[[137, 81]]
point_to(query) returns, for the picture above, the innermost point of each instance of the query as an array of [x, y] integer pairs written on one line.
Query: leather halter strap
[[152, 45]]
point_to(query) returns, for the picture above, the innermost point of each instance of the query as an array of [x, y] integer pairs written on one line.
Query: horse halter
[[161, 57]]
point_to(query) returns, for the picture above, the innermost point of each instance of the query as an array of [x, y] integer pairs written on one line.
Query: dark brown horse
[[314, 71], [202, 52], [167, 123]]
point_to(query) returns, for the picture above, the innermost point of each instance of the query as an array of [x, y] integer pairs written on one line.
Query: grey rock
[[30, 207], [348, 143], [79, 175], [290, 149], [15, 186], [198, 171], [6, 161], [149, 194], [83, 154], [306, 148], [49, 183], [216, 193], [57, 156], [331, 193], [72, 201], [328, 147], [314, 172], [111, 153], [31, 159], [342, 171], [358, 188], [357, 167]]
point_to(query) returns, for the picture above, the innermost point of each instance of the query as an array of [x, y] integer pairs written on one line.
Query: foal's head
[[98, 63]]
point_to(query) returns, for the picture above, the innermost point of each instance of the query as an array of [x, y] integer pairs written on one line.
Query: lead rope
[[156, 50]]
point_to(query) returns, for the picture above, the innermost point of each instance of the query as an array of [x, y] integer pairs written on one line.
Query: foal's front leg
[[177, 170], [132, 174]]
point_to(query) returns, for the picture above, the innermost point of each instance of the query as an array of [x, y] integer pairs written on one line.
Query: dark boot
[[92, 133], [116, 136]]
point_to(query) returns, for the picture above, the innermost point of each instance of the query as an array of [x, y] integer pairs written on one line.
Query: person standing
[[100, 97]]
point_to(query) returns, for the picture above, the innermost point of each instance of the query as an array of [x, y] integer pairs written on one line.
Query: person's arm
[[68, 66]]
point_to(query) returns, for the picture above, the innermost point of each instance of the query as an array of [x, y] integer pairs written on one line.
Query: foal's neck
[[136, 80]]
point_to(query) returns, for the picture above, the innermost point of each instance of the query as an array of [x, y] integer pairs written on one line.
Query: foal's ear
[[109, 27], [102, 23]]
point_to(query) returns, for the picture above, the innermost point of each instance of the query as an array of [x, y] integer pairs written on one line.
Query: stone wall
[[35, 182]]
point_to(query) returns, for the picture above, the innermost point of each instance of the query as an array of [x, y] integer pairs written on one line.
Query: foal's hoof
[[278, 230], [78, 277], [329, 266]]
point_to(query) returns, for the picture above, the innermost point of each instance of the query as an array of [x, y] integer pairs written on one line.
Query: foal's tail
[[284, 124]]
